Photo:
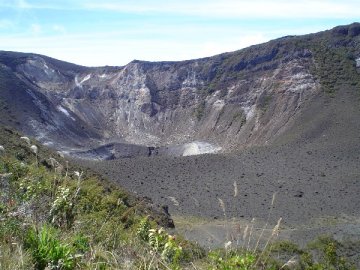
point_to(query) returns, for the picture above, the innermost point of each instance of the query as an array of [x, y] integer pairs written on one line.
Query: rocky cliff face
[[226, 102]]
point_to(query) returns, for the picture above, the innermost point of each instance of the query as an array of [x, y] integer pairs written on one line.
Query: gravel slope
[[314, 169]]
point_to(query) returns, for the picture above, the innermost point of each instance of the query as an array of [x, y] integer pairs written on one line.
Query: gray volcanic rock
[[229, 101], [313, 169], [285, 115]]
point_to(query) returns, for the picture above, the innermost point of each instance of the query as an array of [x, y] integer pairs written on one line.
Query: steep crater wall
[[230, 101], [161, 104]]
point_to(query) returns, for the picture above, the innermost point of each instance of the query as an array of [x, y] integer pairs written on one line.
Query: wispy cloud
[[59, 29], [22, 4], [114, 32], [6, 24], [39, 4], [237, 9], [208, 8], [105, 49]]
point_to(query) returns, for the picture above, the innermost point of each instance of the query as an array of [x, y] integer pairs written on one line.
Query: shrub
[[232, 261], [143, 229], [47, 251], [60, 211], [161, 242]]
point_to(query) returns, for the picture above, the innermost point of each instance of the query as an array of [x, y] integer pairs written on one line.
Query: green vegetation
[[330, 56], [47, 251], [264, 102], [335, 65], [61, 219], [56, 216], [200, 110], [323, 253], [239, 117]]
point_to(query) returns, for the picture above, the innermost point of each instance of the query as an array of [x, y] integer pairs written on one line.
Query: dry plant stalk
[[250, 234], [245, 234], [290, 263], [223, 208], [274, 233], [235, 189], [174, 201], [266, 223]]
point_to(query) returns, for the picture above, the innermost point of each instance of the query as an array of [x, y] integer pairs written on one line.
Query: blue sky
[[110, 32]]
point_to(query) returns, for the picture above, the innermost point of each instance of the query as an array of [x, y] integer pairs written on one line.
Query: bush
[[232, 261], [47, 251]]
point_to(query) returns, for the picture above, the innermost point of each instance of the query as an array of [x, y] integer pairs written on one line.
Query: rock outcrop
[[230, 101]]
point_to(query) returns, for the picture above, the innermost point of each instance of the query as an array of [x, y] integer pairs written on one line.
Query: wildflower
[[2, 149], [53, 162], [26, 139], [227, 245], [34, 149], [60, 154], [78, 175]]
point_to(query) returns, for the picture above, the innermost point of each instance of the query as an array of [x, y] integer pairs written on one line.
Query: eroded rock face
[[233, 100], [162, 104]]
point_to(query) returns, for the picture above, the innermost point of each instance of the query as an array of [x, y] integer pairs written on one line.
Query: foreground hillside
[[55, 218]]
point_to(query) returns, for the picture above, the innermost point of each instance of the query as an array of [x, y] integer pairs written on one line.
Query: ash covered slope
[[30, 107], [233, 100], [312, 165]]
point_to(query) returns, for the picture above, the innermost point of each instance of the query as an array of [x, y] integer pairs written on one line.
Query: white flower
[[228, 245], [26, 139], [60, 154], [34, 149], [53, 162], [2, 149], [78, 174]]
